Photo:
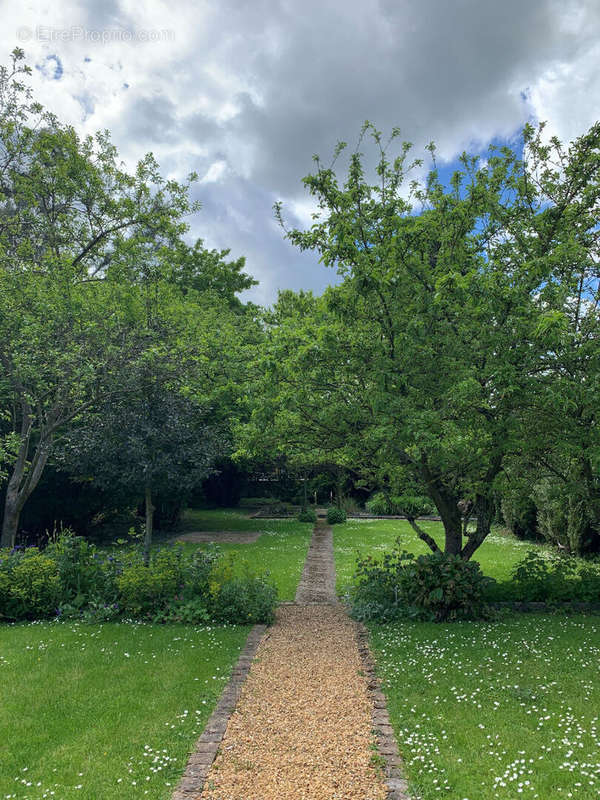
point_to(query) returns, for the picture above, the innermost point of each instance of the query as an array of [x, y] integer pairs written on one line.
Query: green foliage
[[143, 588], [76, 581], [336, 515], [84, 572], [404, 505], [520, 513], [308, 515], [554, 579], [29, 584], [191, 612], [433, 587], [116, 333], [246, 599], [568, 514], [463, 327], [77, 240]]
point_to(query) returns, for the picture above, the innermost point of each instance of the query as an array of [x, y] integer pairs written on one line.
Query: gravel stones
[[302, 727]]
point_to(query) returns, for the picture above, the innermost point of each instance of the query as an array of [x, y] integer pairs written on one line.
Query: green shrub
[[445, 587], [84, 573], [566, 516], [433, 587], [553, 579], [74, 581], [29, 585], [196, 572], [145, 589], [191, 612], [248, 599], [94, 611], [308, 515], [520, 514], [399, 505], [335, 515], [379, 505]]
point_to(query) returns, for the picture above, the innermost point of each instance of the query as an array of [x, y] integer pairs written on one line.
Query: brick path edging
[[387, 747], [206, 747]]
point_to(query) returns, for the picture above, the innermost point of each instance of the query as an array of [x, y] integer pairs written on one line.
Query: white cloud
[[215, 172], [246, 93]]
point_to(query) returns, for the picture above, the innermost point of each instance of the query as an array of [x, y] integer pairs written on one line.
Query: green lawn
[[497, 555], [280, 550], [495, 710], [106, 711]]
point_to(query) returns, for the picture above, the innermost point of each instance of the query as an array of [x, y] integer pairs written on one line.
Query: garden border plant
[[72, 579], [439, 587], [433, 587]]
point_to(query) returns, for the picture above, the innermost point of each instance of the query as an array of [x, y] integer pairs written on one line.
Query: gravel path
[[302, 728], [317, 584]]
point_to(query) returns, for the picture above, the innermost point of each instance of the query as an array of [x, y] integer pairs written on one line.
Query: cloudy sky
[[245, 93]]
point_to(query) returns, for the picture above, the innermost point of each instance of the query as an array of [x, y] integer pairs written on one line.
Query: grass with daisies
[[499, 710], [112, 711], [106, 711], [486, 710]]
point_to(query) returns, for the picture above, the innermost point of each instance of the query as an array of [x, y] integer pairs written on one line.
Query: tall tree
[[166, 416], [429, 350], [73, 226], [147, 438]]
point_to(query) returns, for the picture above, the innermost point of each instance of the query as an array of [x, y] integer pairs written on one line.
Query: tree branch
[[429, 540]]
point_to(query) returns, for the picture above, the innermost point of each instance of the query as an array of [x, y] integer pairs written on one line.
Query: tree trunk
[[10, 521], [447, 506], [149, 519], [21, 484], [484, 510]]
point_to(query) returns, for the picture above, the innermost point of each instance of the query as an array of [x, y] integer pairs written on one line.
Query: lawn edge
[[206, 747], [387, 746]]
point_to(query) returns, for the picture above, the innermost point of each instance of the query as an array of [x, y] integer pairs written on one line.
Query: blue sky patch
[[51, 67]]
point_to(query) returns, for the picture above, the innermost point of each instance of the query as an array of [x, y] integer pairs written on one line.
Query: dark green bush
[[84, 572], [399, 505], [308, 515], [566, 516], [520, 513], [335, 515], [433, 587]]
